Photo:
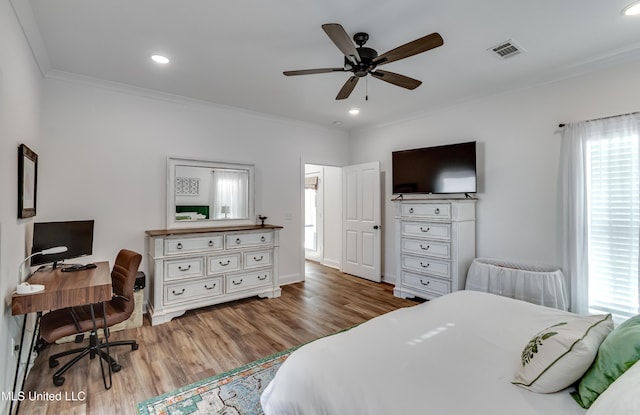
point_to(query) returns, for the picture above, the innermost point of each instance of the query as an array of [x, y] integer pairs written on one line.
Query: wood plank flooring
[[211, 340]]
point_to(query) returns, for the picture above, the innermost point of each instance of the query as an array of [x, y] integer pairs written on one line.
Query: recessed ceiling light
[[354, 111], [160, 59], [632, 10]]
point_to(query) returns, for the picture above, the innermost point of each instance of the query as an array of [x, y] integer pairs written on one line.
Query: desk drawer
[[426, 283], [249, 280], [257, 259], [427, 210], [427, 230], [223, 263], [429, 248], [180, 292], [178, 269], [426, 265], [249, 239], [193, 244]]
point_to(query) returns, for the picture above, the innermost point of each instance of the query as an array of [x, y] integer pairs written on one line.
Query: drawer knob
[[179, 246], [262, 278], [175, 293], [210, 243], [437, 211], [184, 269], [424, 266], [224, 264], [210, 288], [410, 210], [258, 259], [262, 239], [238, 241], [425, 230], [425, 248], [424, 283], [237, 282]]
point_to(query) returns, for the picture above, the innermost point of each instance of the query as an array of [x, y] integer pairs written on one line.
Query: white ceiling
[[234, 52]]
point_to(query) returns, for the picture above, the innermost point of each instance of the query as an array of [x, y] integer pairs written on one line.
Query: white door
[[361, 220]]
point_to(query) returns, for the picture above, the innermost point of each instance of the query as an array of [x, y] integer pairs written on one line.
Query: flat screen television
[[441, 170], [77, 236]]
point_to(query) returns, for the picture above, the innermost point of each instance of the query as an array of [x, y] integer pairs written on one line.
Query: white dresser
[[191, 268], [436, 242]]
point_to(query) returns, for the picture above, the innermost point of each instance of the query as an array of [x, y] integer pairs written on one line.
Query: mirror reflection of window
[[228, 194]]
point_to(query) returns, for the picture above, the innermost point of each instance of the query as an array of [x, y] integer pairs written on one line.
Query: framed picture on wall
[[27, 181]]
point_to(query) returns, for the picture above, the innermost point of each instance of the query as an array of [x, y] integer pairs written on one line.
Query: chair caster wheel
[[134, 346], [58, 381], [53, 363], [115, 367]]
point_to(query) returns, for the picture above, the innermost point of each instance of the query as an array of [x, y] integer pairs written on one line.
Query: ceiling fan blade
[[347, 88], [313, 71], [397, 79], [423, 44], [341, 39]]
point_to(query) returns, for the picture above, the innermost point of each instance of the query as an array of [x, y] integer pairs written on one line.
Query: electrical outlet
[[15, 347]]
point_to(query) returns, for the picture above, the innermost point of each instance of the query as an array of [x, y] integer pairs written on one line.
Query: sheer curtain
[[229, 189], [600, 199]]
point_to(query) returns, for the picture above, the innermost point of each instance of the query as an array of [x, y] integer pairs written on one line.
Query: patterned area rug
[[236, 392]]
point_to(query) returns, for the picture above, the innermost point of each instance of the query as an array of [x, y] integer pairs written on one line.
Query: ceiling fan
[[363, 61]]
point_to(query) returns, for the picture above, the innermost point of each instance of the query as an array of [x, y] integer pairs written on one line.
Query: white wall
[[332, 216], [20, 96], [518, 143], [105, 159]]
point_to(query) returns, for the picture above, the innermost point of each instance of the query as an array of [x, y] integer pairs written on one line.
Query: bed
[[456, 354]]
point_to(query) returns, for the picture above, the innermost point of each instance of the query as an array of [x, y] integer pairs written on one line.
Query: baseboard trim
[[290, 279]]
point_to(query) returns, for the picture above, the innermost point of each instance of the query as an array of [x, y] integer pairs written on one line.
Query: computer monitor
[[77, 236]]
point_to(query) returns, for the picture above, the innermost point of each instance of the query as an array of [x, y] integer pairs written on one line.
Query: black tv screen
[[442, 169], [77, 236]]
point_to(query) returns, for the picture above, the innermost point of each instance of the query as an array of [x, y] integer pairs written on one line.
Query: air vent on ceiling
[[506, 49]]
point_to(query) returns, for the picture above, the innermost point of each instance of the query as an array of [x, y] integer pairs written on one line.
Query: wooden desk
[[61, 289], [65, 289]]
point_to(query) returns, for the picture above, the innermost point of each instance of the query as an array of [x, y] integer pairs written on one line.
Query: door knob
[[376, 227]]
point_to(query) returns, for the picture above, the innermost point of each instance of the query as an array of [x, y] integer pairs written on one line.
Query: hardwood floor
[[210, 340]]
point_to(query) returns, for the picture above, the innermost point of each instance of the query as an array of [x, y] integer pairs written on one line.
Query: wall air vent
[[506, 49]]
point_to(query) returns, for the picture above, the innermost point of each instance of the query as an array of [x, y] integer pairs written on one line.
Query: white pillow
[[621, 397], [559, 355]]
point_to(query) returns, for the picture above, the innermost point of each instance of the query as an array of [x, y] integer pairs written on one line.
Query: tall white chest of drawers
[[436, 243], [191, 268]]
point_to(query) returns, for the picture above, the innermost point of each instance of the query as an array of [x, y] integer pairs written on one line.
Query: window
[[613, 212], [600, 222]]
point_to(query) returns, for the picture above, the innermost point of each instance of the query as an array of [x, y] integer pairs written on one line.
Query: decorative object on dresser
[[435, 239], [197, 267]]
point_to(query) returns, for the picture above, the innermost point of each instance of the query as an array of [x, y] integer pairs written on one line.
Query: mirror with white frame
[[209, 193]]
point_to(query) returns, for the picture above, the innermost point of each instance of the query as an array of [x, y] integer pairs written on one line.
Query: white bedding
[[456, 355]]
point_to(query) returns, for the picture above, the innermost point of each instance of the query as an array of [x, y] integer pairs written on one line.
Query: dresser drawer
[[427, 210], [188, 291], [429, 248], [427, 230], [248, 239], [178, 269], [425, 283], [246, 281], [223, 263], [257, 259], [427, 265], [193, 244]]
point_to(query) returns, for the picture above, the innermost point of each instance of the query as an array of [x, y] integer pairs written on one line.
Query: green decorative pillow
[[559, 355], [617, 353]]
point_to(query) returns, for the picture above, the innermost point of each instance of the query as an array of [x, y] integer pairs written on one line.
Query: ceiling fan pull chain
[[366, 89]]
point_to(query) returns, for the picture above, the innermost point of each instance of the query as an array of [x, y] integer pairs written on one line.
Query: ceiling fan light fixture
[[163, 60], [354, 111], [632, 10]]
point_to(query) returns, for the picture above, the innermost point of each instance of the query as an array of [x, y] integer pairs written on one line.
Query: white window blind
[[613, 210]]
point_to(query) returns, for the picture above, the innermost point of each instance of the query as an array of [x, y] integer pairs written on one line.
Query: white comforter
[[453, 355]]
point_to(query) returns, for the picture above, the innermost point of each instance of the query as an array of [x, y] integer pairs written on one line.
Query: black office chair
[[91, 317]]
